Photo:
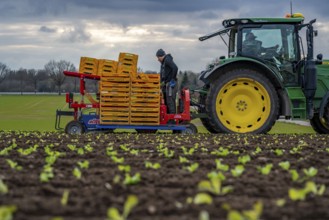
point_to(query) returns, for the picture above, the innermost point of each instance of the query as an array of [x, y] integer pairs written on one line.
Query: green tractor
[[267, 75]]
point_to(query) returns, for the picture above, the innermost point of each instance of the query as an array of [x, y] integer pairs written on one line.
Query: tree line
[[51, 79]]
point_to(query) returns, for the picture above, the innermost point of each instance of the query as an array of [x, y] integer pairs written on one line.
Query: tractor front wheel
[[242, 101], [321, 126], [74, 127]]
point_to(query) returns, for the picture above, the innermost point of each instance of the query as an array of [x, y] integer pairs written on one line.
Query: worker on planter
[[168, 74]]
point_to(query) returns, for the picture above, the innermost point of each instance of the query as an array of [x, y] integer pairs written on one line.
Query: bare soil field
[[48, 176]]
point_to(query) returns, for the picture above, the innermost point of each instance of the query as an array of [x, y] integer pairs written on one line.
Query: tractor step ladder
[[298, 102]]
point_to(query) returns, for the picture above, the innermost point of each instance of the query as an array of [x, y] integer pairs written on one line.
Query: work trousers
[[170, 98]]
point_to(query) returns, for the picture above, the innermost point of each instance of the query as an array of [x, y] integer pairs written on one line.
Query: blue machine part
[[92, 122]]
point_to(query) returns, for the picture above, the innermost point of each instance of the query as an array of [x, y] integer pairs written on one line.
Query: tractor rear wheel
[[242, 101], [74, 127], [205, 121], [320, 126]]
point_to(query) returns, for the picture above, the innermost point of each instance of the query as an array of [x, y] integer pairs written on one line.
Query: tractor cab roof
[[245, 21]]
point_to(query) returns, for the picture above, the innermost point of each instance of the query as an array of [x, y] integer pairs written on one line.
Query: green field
[[37, 113]]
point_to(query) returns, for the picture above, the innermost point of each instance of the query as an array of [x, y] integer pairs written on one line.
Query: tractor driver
[[168, 74], [253, 47]]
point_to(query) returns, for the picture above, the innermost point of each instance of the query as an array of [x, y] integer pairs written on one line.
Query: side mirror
[[319, 58]]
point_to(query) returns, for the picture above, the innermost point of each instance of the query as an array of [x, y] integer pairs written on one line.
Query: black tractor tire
[[205, 121], [318, 126], [242, 101], [74, 128], [210, 127]]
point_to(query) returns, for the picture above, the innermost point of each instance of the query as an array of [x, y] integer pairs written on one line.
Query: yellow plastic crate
[[142, 90], [115, 121], [144, 109], [114, 108], [146, 85], [106, 67], [88, 65], [128, 58], [116, 77], [114, 104]]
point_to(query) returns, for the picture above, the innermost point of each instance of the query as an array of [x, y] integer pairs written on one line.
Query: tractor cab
[[275, 42]]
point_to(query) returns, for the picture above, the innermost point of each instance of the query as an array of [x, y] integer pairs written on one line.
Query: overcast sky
[[33, 32]]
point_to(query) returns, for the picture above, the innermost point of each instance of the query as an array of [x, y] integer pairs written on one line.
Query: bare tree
[[4, 71], [55, 71]]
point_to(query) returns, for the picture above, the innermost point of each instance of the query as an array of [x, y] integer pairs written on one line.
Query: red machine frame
[[179, 118]]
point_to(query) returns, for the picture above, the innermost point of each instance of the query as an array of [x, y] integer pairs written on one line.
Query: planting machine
[[126, 100], [267, 75]]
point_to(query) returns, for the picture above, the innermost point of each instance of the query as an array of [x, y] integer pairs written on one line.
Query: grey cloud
[[47, 29], [76, 35]]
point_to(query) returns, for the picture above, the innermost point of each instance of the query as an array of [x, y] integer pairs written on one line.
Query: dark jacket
[[168, 69]]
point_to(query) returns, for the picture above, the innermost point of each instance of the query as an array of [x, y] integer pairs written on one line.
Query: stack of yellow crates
[[127, 97], [114, 94], [145, 99]]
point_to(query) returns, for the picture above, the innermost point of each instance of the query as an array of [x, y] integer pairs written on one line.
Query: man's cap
[[160, 53]]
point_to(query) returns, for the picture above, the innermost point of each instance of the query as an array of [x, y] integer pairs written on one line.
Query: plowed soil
[[166, 193]]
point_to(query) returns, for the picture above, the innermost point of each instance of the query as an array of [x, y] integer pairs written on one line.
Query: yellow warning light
[[297, 15]]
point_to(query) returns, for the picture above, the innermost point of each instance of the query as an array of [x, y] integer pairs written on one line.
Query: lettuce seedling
[[77, 173], [253, 214], [183, 159], [202, 199], [222, 152], [155, 166], [132, 180], [83, 164], [7, 212], [285, 165], [47, 173], [214, 185], [124, 168], [81, 151], [310, 172], [88, 148], [257, 151], [220, 166], [278, 152], [244, 159], [204, 215], [238, 170], [215, 174], [294, 175], [113, 213], [266, 169], [167, 153], [28, 151], [72, 147], [188, 151], [117, 159], [65, 197], [14, 165], [3, 188], [193, 167], [310, 187]]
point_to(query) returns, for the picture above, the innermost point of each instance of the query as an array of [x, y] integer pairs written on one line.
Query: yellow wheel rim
[[243, 105]]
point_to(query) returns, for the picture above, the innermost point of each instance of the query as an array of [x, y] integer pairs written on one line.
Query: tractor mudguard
[[210, 74]]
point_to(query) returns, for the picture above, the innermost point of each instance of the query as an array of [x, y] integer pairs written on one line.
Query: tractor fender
[[241, 62], [323, 104]]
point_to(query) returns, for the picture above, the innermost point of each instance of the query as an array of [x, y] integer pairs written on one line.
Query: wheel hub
[[241, 105]]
